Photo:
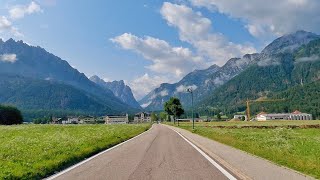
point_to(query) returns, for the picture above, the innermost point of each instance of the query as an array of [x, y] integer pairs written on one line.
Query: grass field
[[35, 151], [256, 123], [298, 149]]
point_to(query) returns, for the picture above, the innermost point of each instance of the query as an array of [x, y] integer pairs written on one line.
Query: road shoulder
[[240, 163]]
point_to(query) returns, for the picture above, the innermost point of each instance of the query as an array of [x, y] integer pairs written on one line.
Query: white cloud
[[197, 30], [171, 63], [11, 58], [107, 79], [271, 18], [145, 84], [308, 59], [146, 104], [218, 81], [183, 88], [5, 24], [175, 61], [19, 11], [164, 93]]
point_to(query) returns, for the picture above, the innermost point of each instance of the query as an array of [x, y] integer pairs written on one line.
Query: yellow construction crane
[[259, 100]]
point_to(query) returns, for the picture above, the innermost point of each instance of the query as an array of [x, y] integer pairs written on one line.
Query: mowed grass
[[298, 149], [36, 151]]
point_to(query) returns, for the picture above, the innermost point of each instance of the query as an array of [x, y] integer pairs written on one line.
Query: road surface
[[159, 153]]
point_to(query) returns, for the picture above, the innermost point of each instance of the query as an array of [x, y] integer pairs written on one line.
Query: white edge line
[[220, 168], [92, 157]]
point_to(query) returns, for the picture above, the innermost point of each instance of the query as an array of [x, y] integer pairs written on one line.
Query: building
[[71, 120], [100, 120], [239, 117], [142, 117], [87, 120], [56, 120], [113, 119], [296, 115]]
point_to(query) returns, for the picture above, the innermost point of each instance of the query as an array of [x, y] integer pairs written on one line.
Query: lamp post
[[191, 91]]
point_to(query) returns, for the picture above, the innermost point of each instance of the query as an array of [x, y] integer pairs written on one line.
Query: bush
[[10, 115]]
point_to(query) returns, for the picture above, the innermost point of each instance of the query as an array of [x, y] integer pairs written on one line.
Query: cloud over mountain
[[19, 11], [196, 30], [269, 18], [8, 58], [165, 58], [170, 62], [7, 26]]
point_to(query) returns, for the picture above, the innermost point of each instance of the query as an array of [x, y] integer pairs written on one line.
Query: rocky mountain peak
[[119, 89], [290, 42]]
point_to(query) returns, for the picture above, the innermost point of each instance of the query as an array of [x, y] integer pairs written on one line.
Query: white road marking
[[220, 168], [92, 157]]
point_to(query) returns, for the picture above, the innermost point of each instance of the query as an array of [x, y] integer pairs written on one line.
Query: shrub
[[10, 115]]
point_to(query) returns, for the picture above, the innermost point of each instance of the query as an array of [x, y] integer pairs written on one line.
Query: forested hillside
[[293, 76], [45, 82], [40, 95]]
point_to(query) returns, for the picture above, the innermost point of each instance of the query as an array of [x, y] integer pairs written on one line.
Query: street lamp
[[191, 91]]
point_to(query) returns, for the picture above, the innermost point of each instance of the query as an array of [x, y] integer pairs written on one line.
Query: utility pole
[[248, 110], [191, 91]]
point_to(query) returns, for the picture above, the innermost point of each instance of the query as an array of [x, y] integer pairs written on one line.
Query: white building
[[296, 115], [142, 117], [112, 119], [70, 120], [239, 117]]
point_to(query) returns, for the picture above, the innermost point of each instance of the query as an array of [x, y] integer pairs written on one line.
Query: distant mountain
[[274, 74], [201, 81], [18, 58], [30, 94], [197, 80], [210, 79], [289, 42], [119, 89]]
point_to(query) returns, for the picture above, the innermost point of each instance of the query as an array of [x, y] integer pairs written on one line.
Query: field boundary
[[92, 157]]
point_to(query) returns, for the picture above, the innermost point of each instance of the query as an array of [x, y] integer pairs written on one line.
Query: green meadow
[[36, 151], [298, 148]]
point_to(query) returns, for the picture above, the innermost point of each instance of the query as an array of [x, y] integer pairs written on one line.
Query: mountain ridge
[[288, 70], [35, 62], [119, 89], [233, 67]]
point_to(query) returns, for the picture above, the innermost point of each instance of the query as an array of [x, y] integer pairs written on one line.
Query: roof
[[261, 113], [296, 112], [282, 114], [138, 114]]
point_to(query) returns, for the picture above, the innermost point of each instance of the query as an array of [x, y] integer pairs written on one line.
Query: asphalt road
[[160, 153]]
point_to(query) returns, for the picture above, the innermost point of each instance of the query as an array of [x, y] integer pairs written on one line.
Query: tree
[[163, 116], [154, 117], [174, 107], [219, 116], [10, 115]]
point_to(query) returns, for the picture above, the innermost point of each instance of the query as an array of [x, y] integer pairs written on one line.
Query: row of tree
[[10, 115]]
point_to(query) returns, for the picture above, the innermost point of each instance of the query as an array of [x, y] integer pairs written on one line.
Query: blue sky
[[148, 42]]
